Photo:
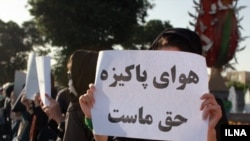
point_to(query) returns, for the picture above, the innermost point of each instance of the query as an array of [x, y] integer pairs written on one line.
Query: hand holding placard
[[44, 77], [31, 84]]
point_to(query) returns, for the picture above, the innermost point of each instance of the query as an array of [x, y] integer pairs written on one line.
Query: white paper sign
[[19, 82], [151, 95], [31, 84], [44, 77]]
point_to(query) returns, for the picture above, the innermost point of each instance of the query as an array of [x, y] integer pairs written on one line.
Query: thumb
[[48, 97]]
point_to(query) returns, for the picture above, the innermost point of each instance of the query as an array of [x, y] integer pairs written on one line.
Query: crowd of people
[[65, 118], [62, 119]]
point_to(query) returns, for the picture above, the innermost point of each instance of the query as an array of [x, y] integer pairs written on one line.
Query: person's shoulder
[[63, 91]]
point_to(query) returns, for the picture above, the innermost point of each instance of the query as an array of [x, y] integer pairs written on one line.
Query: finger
[[81, 101], [207, 96], [89, 100], [90, 96], [44, 107], [84, 100], [85, 105], [91, 86], [207, 100], [23, 98], [41, 103], [49, 98], [213, 110]]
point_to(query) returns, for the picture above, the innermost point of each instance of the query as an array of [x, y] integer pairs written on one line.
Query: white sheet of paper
[[151, 95], [19, 82], [31, 82], [44, 77]]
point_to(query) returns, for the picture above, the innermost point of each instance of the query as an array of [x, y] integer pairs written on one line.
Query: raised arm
[[87, 101], [212, 110]]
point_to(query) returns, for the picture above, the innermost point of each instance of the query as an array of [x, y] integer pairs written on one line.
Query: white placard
[[151, 95], [31, 83], [19, 82], [44, 77]]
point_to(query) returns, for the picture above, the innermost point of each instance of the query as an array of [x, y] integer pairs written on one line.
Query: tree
[[15, 44], [141, 38], [91, 25], [94, 25], [151, 30], [13, 50], [143, 35]]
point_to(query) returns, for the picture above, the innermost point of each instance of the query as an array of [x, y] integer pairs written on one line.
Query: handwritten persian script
[[150, 94]]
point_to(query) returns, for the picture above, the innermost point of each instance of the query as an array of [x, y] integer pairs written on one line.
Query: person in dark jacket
[[81, 68], [6, 133], [39, 126], [81, 71]]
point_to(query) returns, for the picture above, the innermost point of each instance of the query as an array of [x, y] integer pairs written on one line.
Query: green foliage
[[152, 29], [71, 25], [15, 44], [93, 25], [144, 35], [60, 70], [238, 85], [13, 50]]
